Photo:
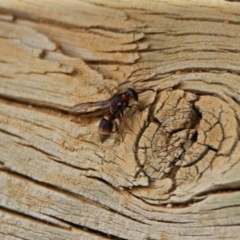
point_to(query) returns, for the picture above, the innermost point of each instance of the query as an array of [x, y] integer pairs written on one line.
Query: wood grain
[[171, 170]]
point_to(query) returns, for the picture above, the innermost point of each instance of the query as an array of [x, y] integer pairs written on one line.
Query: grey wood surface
[[171, 170]]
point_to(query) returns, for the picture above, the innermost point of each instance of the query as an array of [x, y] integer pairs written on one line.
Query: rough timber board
[[176, 172], [68, 211], [54, 80], [175, 42]]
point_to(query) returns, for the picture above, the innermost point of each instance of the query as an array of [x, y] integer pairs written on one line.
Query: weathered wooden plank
[[16, 226], [190, 44], [69, 211], [170, 171], [28, 73]]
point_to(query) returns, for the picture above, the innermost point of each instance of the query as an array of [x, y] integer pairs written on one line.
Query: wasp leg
[[120, 125]]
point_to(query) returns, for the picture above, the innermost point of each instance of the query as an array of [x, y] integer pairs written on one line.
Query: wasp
[[118, 105]]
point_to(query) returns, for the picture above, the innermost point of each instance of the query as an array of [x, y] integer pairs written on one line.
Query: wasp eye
[[132, 93]]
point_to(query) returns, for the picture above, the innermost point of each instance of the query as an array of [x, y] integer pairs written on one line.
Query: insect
[[118, 105]]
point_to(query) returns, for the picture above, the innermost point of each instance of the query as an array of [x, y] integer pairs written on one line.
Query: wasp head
[[132, 93]]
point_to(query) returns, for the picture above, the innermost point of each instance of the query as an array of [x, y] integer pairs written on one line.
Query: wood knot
[[183, 147]]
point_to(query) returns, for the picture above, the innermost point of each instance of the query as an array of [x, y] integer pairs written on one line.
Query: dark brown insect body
[[105, 126], [118, 105]]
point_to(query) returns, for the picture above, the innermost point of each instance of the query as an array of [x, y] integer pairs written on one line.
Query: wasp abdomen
[[105, 127]]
